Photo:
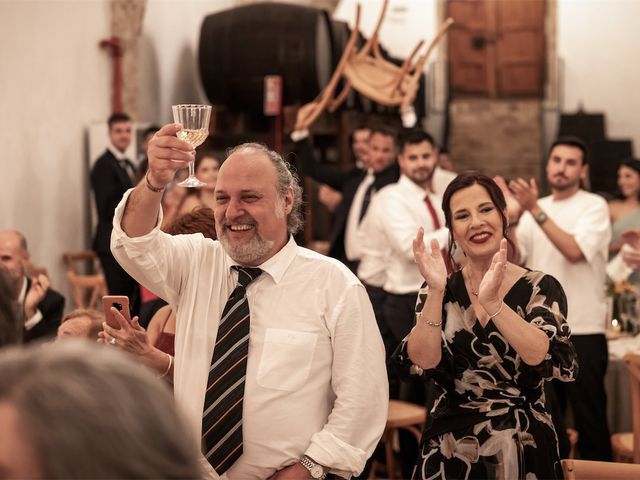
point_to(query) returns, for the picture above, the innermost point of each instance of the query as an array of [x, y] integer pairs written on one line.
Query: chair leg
[[389, 455]]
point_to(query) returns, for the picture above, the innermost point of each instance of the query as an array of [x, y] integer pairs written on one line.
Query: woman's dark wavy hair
[[466, 180], [633, 164]]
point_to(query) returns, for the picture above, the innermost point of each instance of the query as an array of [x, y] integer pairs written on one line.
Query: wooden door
[[496, 48]]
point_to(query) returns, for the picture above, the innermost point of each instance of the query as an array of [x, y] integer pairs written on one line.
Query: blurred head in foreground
[[71, 410]]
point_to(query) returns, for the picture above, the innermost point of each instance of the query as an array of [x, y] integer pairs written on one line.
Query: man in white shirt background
[[387, 267], [375, 168], [567, 235], [43, 306], [392, 222], [314, 394]]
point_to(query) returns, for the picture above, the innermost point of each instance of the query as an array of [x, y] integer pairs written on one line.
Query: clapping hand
[[526, 193], [489, 288], [514, 209], [430, 262], [631, 237], [37, 292]]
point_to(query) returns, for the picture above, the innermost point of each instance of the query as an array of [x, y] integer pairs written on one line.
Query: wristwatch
[[540, 217], [316, 471]]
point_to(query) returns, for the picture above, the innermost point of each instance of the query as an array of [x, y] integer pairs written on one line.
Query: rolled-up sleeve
[[156, 260], [359, 380], [593, 230]]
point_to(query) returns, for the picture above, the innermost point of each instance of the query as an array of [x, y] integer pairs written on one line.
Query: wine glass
[[195, 130]]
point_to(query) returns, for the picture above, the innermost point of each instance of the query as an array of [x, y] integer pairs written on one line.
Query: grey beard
[[249, 252]]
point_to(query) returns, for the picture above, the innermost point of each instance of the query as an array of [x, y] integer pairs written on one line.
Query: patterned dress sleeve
[[402, 364], [547, 310]]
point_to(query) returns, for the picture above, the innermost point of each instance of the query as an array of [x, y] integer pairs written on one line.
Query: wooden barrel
[[239, 47]]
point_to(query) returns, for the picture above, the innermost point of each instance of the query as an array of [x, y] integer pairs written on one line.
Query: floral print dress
[[487, 415]]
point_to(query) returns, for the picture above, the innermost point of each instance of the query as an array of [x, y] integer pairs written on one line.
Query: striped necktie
[[222, 417]]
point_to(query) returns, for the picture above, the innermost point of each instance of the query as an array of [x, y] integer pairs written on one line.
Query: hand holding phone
[[120, 303]]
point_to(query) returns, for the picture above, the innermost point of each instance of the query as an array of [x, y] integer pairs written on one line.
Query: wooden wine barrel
[[239, 47]]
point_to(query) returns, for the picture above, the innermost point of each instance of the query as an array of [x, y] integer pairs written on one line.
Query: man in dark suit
[[356, 185], [43, 306], [111, 176]]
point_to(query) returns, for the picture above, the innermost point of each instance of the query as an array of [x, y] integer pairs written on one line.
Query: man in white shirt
[[377, 168], [391, 224], [315, 389], [43, 306], [567, 235], [387, 267]]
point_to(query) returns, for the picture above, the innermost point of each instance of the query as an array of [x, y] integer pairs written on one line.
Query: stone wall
[[496, 136]]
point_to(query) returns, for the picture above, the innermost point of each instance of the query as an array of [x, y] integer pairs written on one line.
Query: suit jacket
[[345, 182], [109, 182], [52, 308]]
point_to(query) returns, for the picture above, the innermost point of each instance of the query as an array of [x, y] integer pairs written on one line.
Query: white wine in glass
[[195, 130]]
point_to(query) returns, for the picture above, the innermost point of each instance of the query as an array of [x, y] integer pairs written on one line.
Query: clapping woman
[[489, 336]]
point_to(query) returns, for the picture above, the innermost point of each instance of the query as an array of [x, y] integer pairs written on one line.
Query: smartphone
[[121, 303]]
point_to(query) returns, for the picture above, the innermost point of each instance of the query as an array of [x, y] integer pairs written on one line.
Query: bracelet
[[498, 312], [168, 368], [431, 324], [151, 187]]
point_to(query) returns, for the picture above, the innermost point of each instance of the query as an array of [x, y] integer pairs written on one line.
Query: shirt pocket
[[286, 359]]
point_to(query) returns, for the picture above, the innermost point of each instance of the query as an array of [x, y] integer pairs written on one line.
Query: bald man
[[43, 306]]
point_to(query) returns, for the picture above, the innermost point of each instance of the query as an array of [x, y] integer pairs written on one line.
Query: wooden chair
[[370, 74], [589, 470], [402, 415], [626, 446], [86, 288]]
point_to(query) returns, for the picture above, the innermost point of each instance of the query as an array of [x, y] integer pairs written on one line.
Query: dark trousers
[[558, 418], [377, 297], [587, 398], [399, 313], [119, 282]]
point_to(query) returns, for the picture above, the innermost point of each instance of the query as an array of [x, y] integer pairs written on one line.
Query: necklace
[[468, 279]]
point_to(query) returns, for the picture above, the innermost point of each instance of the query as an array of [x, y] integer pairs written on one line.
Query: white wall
[[406, 22], [168, 55], [54, 81], [599, 42]]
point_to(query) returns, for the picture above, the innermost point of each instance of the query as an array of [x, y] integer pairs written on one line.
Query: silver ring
[[112, 341]]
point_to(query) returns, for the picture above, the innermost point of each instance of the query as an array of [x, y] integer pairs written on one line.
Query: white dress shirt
[[351, 240], [441, 180], [398, 211], [316, 380], [585, 216]]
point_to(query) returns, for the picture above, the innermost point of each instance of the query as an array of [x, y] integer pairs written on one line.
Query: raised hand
[[631, 256], [514, 209], [304, 114], [489, 288], [632, 237], [167, 153], [37, 292], [526, 193], [130, 337], [430, 262]]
